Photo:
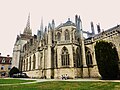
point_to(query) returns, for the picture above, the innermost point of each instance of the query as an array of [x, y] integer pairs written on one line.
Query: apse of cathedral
[[57, 51]]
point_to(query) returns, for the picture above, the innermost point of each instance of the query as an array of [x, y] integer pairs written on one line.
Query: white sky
[[14, 13]]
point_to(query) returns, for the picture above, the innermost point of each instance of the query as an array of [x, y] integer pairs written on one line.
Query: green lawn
[[65, 85], [13, 81]]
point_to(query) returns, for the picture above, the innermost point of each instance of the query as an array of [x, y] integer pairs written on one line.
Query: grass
[[65, 85], [13, 81]]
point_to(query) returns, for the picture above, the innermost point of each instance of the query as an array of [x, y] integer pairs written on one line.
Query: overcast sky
[[14, 13]]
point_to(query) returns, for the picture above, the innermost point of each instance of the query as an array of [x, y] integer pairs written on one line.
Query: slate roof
[[68, 23], [7, 60]]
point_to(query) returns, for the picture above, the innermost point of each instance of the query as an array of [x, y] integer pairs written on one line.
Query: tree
[[107, 60], [14, 70]]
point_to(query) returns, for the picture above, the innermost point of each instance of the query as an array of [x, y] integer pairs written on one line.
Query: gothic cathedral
[[61, 50]]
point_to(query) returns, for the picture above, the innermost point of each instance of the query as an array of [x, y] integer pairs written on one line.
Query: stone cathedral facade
[[61, 50]]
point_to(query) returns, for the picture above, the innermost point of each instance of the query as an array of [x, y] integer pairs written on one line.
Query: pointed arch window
[[78, 59], [58, 36], [65, 57], [30, 63], [67, 35], [75, 35], [26, 64], [89, 59], [34, 61]]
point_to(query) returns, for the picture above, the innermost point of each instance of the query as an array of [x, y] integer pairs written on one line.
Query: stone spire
[[45, 29], [38, 35], [53, 24], [92, 28], [98, 28], [53, 30], [28, 22], [76, 19], [41, 26], [80, 27], [79, 24], [27, 30], [45, 36], [49, 27], [49, 34]]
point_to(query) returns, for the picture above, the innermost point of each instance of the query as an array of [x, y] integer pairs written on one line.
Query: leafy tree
[[14, 70], [107, 60]]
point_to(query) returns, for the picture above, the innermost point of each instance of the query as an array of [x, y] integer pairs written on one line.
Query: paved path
[[92, 79], [45, 80]]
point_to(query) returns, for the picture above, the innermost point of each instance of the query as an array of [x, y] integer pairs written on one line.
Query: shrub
[[14, 70], [107, 60]]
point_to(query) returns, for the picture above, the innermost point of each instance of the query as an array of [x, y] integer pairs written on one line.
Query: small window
[[3, 60], [10, 60], [2, 67], [9, 67]]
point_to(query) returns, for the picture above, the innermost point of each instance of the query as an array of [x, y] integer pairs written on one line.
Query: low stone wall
[[72, 73], [34, 74]]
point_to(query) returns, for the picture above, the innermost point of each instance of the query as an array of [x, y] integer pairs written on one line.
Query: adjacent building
[[5, 65]]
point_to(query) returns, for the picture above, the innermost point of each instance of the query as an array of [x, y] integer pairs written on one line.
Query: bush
[[14, 70], [107, 60]]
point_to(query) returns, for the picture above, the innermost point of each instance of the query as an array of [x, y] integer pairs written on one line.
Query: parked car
[[20, 75]]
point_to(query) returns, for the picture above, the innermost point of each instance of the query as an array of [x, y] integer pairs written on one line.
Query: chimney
[[8, 55]]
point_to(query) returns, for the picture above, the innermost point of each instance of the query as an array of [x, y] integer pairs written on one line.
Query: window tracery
[[67, 35], [89, 58], [58, 36], [34, 61], [65, 57]]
